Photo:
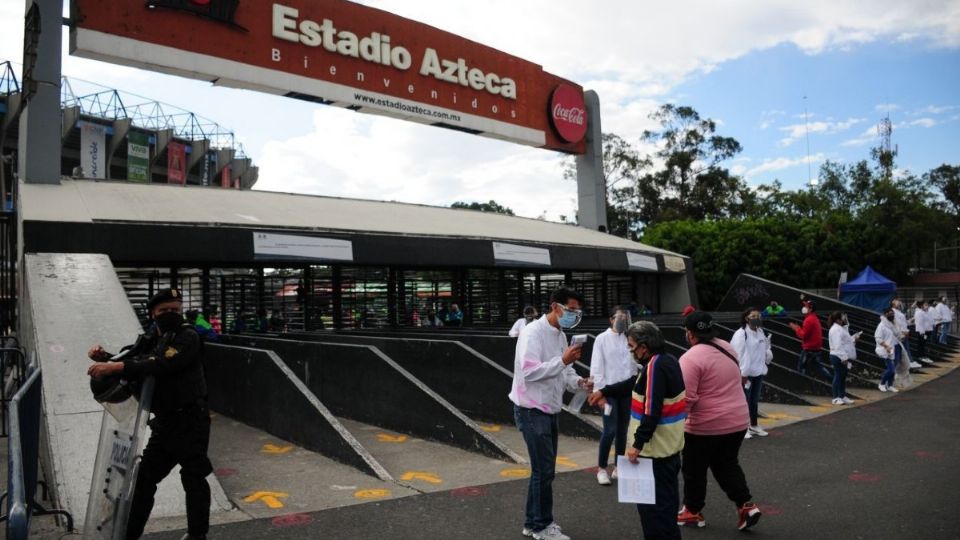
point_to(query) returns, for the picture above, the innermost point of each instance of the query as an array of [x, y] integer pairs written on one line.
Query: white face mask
[[804, 311]]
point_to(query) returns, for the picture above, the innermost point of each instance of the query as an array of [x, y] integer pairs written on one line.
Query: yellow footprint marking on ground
[[423, 476], [371, 493], [491, 428], [566, 462], [819, 408], [274, 449], [515, 473], [386, 437]]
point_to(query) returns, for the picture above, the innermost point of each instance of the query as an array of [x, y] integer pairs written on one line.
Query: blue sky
[[759, 100], [744, 63]]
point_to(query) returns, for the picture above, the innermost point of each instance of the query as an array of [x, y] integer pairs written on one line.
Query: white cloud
[[933, 109], [798, 131], [868, 135], [886, 107], [923, 122], [780, 163]]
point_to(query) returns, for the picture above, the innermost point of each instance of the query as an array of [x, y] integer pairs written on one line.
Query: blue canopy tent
[[869, 290]]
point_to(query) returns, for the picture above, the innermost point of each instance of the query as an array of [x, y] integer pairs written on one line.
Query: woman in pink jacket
[[717, 420]]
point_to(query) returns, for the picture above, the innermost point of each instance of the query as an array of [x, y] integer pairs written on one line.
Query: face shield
[[621, 321]]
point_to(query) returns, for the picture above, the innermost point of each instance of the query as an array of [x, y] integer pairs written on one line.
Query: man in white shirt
[[541, 372], [610, 363], [946, 318], [923, 325], [529, 314]]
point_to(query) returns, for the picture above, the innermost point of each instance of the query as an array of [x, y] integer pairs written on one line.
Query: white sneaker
[[748, 435], [530, 532], [758, 431], [613, 475], [915, 365], [603, 478], [882, 387], [926, 360], [837, 401], [551, 532], [892, 389], [847, 401]]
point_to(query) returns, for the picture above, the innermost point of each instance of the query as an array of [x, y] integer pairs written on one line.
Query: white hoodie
[[754, 351], [886, 335]]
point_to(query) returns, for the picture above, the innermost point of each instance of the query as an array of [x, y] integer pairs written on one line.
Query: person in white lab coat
[[529, 314], [755, 353], [841, 344], [946, 319], [611, 363], [887, 343]]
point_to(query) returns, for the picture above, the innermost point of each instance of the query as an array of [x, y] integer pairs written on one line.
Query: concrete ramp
[[71, 302], [362, 383], [255, 387]]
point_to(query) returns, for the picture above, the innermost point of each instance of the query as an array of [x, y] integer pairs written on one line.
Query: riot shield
[[123, 435]]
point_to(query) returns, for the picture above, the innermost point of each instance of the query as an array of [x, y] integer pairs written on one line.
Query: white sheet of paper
[[635, 482]]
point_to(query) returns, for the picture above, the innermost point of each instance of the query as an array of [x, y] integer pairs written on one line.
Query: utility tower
[[887, 152]]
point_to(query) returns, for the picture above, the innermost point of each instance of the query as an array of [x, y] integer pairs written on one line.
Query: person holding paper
[[716, 424], [841, 345], [541, 372], [611, 363], [658, 411], [887, 343]]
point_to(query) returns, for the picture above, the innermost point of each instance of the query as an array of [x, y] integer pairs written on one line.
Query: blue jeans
[[813, 357], [944, 330], [659, 520], [540, 432], [614, 428], [887, 378], [753, 397], [839, 377]]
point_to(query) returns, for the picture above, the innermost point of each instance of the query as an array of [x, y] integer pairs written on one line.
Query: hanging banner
[[638, 261], [344, 54], [93, 148], [225, 177], [138, 157], [176, 163], [288, 246], [517, 255]]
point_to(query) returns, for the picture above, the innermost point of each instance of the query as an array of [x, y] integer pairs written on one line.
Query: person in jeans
[[841, 346], [755, 354], [946, 319], [811, 340], [541, 372], [887, 343], [717, 421], [610, 363], [658, 412], [923, 325]]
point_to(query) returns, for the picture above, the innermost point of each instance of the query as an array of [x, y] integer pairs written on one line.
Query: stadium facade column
[[205, 290], [39, 139], [591, 183], [392, 316], [306, 307], [337, 292]]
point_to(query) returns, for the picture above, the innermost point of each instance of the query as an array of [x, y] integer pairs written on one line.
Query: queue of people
[[655, 405]]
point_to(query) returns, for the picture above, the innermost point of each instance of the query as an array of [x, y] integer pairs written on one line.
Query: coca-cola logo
[[568, 113]]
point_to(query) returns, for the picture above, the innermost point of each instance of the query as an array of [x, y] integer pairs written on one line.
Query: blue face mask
[[570, 318]]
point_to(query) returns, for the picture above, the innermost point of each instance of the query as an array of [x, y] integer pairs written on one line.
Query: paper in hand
[[635, 483]]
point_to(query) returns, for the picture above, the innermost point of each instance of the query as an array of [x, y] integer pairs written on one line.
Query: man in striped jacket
[[658, 412]]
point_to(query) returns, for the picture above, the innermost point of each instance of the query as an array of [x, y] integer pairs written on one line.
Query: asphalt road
[[889, 469]]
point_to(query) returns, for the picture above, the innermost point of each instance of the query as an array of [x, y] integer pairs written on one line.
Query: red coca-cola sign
[[568, 113]]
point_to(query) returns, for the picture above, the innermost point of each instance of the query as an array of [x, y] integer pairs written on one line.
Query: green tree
[[688, 181], [490, 206]]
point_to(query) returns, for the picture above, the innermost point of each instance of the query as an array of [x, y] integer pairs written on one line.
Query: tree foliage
[[680, 197], [490, 206]]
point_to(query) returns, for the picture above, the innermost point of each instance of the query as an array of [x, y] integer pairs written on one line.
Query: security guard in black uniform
[[171, 352]]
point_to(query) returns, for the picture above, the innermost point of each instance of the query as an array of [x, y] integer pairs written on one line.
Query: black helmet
[[110, 389]]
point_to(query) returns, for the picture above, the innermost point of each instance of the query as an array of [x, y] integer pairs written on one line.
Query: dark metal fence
[[23, 460]]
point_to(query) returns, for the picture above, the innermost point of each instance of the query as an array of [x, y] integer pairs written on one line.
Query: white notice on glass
[[635, 481]]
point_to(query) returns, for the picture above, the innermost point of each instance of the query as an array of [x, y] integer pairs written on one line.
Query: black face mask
[[168, 322], [754, 323]]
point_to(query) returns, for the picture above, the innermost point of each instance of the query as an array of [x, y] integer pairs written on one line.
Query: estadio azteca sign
[[340, 53]]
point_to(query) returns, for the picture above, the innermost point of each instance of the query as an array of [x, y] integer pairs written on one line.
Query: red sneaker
[[748, 515], [686, 517]]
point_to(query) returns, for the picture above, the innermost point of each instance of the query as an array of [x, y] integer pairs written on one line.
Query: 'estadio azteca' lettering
[[569, 113], [377, 48]]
